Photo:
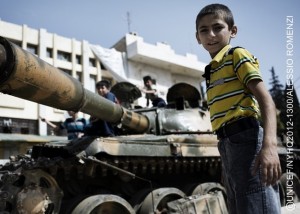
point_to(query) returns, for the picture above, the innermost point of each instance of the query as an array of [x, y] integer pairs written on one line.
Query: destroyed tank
[[164, 160]]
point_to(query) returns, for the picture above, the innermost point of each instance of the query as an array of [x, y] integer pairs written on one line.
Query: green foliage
[[277, 90]]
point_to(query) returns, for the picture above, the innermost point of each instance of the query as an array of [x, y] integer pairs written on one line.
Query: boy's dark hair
[[146, 78], [101, 83], [218, 10]]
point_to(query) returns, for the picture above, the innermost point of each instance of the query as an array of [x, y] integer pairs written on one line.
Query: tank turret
[[26, 76]]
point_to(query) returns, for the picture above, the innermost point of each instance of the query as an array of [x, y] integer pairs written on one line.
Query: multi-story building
[[80, 60]]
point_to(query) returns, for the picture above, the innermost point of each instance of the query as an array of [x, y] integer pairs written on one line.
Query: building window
[[32, 49], [78, 59], [92, 62], [24, 130], [66, 71], [49, 52], [102, 66], [79, 76], [64, 56], [18, 43]]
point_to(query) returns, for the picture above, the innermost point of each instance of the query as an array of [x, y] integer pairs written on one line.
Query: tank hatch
[[184, 92], [126, 93]]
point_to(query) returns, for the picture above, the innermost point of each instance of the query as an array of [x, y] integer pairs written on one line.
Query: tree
[[277, 90]]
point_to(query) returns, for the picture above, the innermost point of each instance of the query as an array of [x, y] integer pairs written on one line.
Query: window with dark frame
[[79, 76], [64, 56], [92, 62], [78, 59], [66, 71], [102, 66], [49, 52], [18, 43], [32, 49]]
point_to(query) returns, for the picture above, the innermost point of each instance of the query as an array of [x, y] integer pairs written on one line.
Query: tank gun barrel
[[24, 75]]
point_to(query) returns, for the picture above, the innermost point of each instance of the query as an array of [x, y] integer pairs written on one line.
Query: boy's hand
[[268, 160]]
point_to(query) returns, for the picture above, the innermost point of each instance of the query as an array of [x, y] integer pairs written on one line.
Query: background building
[[82, 61]]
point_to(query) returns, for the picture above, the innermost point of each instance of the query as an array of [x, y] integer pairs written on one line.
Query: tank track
[[126, 176], [136, 165]]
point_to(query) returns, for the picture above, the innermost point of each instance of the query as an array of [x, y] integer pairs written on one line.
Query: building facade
[[78, 60]]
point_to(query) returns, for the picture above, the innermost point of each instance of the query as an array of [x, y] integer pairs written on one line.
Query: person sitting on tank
[[151, 92], [98, 127], [74, 125]]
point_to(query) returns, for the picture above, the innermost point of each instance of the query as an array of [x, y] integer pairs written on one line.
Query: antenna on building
[[128, 21]]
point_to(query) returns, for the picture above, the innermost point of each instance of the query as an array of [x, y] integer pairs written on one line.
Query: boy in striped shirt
[[236, 94]]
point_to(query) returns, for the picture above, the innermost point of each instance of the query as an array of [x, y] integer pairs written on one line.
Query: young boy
[[75, 126], [249, 153], [151, 93], [97, 126], [103, 89]]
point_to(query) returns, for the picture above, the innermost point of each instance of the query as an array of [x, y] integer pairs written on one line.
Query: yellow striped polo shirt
[[227, 95]]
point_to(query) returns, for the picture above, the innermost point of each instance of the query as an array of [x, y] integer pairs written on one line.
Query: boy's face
[[148, 83], [214, 34], [102, 90]]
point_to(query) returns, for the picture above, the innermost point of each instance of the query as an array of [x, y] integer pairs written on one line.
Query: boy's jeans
[[245, 193]]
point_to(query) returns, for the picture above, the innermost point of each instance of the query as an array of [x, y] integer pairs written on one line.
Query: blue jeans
[[245, 193]]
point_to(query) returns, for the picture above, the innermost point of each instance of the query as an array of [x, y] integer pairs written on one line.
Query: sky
[[262, 26]]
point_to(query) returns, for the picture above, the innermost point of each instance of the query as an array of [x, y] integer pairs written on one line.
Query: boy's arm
[[148, 91], [49, 123], [268, 157]]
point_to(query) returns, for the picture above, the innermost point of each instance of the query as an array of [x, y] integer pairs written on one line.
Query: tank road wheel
[[138, 198], [208, 187], [102, 204], [156, 202], [39, 194]]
